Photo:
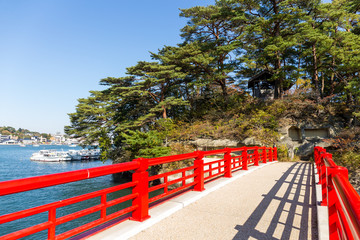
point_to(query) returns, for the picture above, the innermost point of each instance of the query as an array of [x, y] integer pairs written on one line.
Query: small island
[[12, 136]]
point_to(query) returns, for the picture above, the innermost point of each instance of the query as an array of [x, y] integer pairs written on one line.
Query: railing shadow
[[298, 193]]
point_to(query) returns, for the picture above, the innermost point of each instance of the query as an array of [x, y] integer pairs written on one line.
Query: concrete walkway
[[274, 202]]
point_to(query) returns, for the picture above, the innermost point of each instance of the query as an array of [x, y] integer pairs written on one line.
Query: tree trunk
[[315, 73], [164, 112], [332, 80], [278, 93], [224, 88], [332, 83], [322, 85]]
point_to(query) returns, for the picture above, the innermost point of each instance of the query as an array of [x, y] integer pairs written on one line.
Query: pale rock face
[[205, 142], [301, 140], [251, 141]]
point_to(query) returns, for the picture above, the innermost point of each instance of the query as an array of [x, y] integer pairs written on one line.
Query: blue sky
[[54, 52]]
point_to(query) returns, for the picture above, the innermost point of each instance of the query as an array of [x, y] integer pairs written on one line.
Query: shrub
[[283, 153], [350, 160]]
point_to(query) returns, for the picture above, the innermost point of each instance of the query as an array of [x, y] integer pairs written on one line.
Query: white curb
[[322, 211]]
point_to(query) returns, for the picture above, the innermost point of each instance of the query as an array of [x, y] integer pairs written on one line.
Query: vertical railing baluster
[[166, 184], [256, 156], [275, 154], [244, 158], [52, 220], [227, 163], [264, 154], [199, 172], [324, 180], [183, 175], [103, 208]]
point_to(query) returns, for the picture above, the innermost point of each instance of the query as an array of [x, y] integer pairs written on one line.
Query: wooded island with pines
[[309, 50]]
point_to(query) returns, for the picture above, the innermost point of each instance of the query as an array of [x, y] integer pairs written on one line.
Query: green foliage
[[346, 150], [145, 144], [283, 153], [5, 132], [89, 119], [350, 160], [178, 148], [104, 145]]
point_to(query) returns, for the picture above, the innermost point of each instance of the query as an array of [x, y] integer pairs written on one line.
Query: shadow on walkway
[[291, 202]]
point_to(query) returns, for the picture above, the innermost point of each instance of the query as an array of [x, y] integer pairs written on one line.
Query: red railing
[[192, 177], [339, 195]]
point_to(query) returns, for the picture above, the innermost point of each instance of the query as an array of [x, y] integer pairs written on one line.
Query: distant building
[[42, 139], [11, 142], [261, 85], [4, 138], [59, 138]]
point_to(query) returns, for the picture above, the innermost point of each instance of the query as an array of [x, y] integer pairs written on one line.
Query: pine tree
[[212, 33], [271, 40]]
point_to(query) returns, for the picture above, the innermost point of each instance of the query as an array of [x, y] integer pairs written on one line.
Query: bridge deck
[[274, 202]]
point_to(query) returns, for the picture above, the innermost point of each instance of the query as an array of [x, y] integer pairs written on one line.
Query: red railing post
[[256, 156], [141, 176], [270, 154], [103, 208], [183, 182], [275, 154], [264, 155], [321, 167], [199, 172], [323, 180], [52, 228], [227, 163], [244, 158], [317, 157]]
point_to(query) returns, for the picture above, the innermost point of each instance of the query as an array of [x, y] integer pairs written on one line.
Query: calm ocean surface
[[15, 163]]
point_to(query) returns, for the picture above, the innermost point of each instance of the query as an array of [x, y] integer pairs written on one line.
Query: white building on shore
[[7, 140]]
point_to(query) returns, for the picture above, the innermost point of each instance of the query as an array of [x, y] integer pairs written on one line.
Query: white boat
[[75, 155], [84, 154], [91, 154], [72, 145], [50, 156], [22, 145], [36, 145]]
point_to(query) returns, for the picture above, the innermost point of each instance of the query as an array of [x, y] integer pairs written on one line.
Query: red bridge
[[280, 192]]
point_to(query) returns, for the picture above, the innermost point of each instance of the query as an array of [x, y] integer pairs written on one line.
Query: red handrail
[[339, 196], [190, 177], [31, 183]]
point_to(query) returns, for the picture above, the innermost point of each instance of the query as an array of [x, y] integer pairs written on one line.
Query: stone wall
[[301, 139]]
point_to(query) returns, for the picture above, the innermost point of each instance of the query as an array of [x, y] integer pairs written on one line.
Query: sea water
[[15, 163]]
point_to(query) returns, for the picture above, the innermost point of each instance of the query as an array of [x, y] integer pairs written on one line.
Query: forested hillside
[[21, 133], [198, 88]]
